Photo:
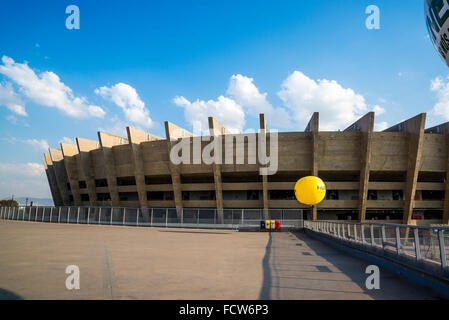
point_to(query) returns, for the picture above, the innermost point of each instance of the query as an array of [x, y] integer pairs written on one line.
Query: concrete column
[[263, 130], [87, 166], [135, 138], [444, 129], [61, 175], [414, 128], [69, 152], [366, 127], [216, 129], [51, 176], [107, 142], [173, 134], [313, 127], [446, 192]]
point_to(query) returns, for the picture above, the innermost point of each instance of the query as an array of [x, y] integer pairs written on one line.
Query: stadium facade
[[399, 174]]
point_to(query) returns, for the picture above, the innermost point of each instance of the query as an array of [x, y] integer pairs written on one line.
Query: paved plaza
[[119, 262]]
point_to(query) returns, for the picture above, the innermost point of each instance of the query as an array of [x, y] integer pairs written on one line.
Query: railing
[[423, 247], [155, 217]]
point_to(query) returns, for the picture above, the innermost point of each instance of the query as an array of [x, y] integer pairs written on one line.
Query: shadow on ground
[[297, 266], [8, 295]]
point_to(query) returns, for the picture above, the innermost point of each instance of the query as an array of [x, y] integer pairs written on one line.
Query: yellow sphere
[[310, 190]]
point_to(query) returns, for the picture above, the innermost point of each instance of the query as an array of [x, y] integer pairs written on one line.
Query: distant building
[[397, 174]]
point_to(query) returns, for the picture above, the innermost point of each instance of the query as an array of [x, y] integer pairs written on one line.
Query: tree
[[9, 203]]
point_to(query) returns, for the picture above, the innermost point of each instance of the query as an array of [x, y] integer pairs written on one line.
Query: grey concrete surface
[[155, 263]]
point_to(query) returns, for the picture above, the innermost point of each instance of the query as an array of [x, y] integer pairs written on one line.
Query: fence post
[[151, 221], [99, 215], [349, 231], [242, 217], [59, 215], [417, 245], [338, 230], [88, 215], [124, 216], [215, 213], [78, 216], [371, 229], [355, 233], [384, 238], [398, 241], [362, 232], [43, 214], [442, 249], [68, 214], [112, 213], [137, 217], [166, 217]]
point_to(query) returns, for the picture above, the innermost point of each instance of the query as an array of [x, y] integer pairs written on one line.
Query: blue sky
[[140, 63]]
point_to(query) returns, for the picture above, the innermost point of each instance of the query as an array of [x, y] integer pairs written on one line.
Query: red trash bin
[[278, 224]]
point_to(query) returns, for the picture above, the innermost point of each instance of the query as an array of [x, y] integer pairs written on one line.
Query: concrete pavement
[[155, 263]]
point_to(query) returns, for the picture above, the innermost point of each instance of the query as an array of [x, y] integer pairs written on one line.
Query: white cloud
[[67, 140], [338, 106], [245, 93], [12, 119], [11, 100], [378, 110], [23, 179], [47, 90], [228, 112], [115, 126], [381, 126], [29, 169], [126, 97], [441, 89], [40, 145]]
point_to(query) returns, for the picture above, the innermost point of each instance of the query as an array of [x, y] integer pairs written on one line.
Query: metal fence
[[422, 247], [155, 217]]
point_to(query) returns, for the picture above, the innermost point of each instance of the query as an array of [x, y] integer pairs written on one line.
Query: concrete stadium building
[[399, 174]]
